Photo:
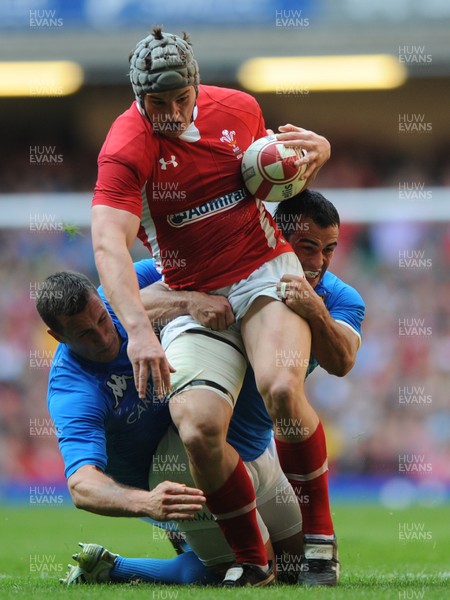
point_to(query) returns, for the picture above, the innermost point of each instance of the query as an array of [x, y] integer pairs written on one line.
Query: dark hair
[[63, 294], [308, 204]]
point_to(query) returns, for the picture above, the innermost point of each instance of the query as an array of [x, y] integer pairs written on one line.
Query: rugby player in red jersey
[[209, 234]]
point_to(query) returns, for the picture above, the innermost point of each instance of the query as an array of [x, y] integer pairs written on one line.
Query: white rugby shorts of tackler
[[204, 359], [278, 511], [262, 282]]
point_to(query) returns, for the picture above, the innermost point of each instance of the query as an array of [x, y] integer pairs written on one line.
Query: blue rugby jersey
[[98, 415]]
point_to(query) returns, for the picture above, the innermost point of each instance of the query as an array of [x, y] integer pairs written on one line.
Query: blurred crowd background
[[393, 408]]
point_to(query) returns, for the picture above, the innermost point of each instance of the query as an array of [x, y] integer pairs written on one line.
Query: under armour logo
[[164, 163]]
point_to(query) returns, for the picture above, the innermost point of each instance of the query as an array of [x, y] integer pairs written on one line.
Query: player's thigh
[[208, 542], [285, 338], [170, 461], [281, 513], [275, 498], [204, 362]]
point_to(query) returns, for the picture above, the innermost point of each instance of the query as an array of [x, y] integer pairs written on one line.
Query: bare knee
[[283, 396], [203, 441]]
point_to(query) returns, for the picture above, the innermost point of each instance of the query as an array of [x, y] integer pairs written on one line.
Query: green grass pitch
[[401, 554]]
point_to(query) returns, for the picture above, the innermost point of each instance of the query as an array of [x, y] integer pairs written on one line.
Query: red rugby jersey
[[197, 218]]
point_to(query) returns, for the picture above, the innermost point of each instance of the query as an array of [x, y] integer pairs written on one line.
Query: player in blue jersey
[[107, 435], [104, 430], [334, 312]]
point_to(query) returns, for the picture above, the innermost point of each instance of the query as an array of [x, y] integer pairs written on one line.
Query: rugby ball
[[269, 172]]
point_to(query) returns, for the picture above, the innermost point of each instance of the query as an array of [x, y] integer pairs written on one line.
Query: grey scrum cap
[[162, 62]]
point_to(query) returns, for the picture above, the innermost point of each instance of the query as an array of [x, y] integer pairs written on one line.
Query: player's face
[[171, 112], [314, 247], [91, 333]]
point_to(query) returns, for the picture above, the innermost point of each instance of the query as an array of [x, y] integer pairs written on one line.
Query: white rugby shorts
[[216, 360], [262, 282], [278, 510]]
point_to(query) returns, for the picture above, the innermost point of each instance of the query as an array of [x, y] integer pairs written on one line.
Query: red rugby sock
[[306, 467], [234, 506]]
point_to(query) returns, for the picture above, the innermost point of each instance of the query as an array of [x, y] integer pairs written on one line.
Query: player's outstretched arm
[[113, 233], [94, 491], [163, 305], [333, 345], [318, 149]]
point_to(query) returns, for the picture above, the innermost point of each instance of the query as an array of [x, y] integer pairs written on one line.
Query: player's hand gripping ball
[[269, 172]]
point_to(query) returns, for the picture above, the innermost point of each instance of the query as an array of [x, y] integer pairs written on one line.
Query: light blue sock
[[184, 568]]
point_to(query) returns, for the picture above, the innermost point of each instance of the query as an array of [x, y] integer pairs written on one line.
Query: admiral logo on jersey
[[118, 385], [212, 207]]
